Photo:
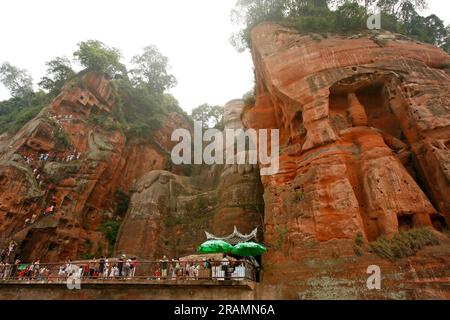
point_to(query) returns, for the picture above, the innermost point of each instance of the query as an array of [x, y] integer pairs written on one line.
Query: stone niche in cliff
[[370, 101], [41, 139], [96, 95]]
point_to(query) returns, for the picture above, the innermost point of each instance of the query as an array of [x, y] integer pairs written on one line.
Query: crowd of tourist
[[38, 172], [124, 268]]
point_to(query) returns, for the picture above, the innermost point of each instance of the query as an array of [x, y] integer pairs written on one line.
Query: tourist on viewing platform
[[195, 271], [114, 272], [157, 274], [61, 274], [35, 269], [127, 269], [164, 263], [187, 270], [3, 254], [7, 271], [133, 266], [207, 266], [86, 270], [120, 265], [92, 268], [175, 268], [11, 247], [107, 269], [101, 266], [14, 269], [43, 274], [225, 266], [2, 269]]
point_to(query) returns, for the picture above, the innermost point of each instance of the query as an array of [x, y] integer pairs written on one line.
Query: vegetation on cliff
[[340, 16], [209, 116], [142, 101], [404, 244]]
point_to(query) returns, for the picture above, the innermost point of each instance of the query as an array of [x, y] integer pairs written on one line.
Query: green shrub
[[62, 140], [404, 244], [347, 17], [17, 111], [96, 56], [282, 234], [359, 239], [446, 65], [358, 251], [249, 99], [298, 196], [110, 229]]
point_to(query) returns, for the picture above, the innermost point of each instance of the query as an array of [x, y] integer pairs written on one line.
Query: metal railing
[[138, 271]]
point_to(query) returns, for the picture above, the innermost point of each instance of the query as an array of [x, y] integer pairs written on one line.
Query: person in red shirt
[[157, 274]]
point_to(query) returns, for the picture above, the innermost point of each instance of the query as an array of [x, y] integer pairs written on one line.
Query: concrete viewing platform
[[136, 289]]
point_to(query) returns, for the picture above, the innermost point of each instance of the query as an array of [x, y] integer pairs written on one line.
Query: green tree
[[347, 16], [151, 70], [350, 17], [59, 71], [18, 81], [96, 56], [209, 116]]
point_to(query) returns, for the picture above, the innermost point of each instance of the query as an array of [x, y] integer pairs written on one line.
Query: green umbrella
[[22, 267], [215, 246], [248, 249]]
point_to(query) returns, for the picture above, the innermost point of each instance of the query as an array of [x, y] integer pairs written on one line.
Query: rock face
[[169, 214], [87, 164], [365, 132], [364, 128]]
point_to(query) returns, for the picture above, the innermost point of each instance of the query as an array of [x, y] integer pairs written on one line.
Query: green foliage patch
[[340, 17], [404, 244], [110, 230]]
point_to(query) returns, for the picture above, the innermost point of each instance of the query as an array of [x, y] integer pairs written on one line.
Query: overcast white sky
[[194, 34]]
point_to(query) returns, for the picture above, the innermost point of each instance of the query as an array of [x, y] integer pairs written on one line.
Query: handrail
[[113, 269]]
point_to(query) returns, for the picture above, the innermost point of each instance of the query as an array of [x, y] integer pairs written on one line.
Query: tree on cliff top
[[24, 104], [399, 16], [209, 116], [95, 56], [151, 70], [59, 71], [17, 81]]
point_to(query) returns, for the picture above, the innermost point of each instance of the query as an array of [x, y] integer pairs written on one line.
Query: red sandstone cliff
[[364, 125], [87, 165], [365, 132]]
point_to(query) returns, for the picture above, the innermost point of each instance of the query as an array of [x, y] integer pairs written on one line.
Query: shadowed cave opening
[[405, 222]]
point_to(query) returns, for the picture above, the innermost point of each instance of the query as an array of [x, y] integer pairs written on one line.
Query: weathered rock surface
[[365, 152], [87, 165], [169, 214], [365, 132]]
